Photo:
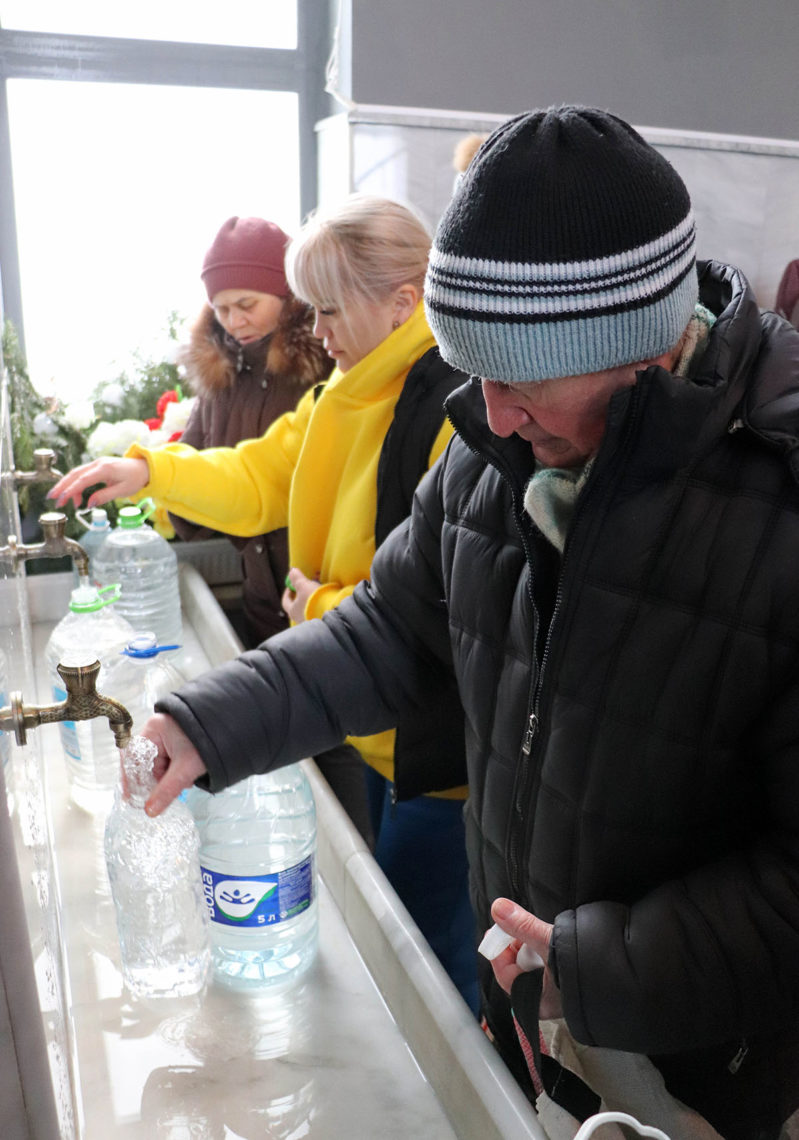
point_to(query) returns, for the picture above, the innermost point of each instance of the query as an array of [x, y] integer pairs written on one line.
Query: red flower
[[170, 397], [175, 436], [153, 424]]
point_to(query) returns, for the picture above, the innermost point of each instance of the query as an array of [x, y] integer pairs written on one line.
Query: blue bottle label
[[69, 734], [259, 900]]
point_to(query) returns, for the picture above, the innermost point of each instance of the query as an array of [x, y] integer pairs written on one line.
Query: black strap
[[405, 455], [561, 1085]]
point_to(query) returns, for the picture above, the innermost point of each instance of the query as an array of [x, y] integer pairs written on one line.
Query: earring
[[395, 324]]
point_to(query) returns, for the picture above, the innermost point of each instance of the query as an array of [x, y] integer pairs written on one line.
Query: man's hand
[[177, 765], [531, 931], [295, 596]]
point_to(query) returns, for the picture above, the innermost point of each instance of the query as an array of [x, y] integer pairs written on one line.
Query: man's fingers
[[517, 921], [163, 794]]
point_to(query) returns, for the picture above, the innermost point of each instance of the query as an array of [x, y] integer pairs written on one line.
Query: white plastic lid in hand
[[496, 940]]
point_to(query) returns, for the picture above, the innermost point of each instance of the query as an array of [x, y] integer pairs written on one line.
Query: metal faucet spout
[[83, 702], [55, 544], [43, 469]]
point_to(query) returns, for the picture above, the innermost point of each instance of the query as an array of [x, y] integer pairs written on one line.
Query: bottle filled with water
[[146, 567], [98, 528], [90, 631], [142, 673], [258, 866], [154, 872], [5, 739]]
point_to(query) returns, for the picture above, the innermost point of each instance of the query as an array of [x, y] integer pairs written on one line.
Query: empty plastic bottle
[[146, 567], [98, 528], [154, 872], [258, 865], [142, 672], [91, 631]]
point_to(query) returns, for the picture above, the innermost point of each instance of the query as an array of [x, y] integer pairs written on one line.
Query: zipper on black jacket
[[528, 772], [522, 783], [529, 734], [739, 1057]]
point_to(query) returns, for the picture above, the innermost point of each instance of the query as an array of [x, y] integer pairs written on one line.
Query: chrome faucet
[[83, 703], [55, 544], [43, 470]]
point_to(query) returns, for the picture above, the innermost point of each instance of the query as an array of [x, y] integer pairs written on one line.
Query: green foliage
[[38, 421], [135, 395]]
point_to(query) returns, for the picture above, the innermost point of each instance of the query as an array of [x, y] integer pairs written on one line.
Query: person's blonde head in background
[[465, 150], [361, 265]]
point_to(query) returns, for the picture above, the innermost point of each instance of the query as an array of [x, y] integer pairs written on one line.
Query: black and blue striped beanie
[[568, 247]]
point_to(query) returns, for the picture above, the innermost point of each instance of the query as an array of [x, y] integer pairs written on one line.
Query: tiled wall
[[745, 191]]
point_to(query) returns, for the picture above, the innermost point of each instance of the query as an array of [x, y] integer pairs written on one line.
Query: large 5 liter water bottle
[[146, 567], [98, 528], [258, 864], [154, 871], [91, 631]]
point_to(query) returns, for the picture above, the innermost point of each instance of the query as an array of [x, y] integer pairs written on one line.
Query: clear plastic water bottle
[[5, 739], [146, 567], [91, 631], [258, 865], [142, 673], [98, 528], [154, 872]]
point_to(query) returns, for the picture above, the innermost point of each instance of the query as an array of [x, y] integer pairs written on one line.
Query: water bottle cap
[[131, 517], [88, 599], [97, 518], [144, 645]]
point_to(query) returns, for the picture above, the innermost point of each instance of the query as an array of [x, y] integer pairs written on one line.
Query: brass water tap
[[55, 544], [83, 702], [43, 469]]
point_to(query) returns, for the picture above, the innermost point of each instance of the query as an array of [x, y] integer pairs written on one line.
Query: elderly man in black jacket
[[606, 560]]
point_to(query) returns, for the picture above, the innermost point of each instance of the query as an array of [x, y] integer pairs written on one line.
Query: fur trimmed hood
[[293, 356]]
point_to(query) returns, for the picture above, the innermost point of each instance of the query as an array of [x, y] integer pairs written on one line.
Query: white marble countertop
[[375, 1042]]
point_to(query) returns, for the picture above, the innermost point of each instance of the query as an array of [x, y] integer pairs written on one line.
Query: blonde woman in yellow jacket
[[340, 471]]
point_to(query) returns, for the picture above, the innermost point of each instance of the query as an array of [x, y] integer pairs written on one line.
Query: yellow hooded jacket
[[315, 471]]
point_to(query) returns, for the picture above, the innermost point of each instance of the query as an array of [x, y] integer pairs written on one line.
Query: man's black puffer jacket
[[632, 715]]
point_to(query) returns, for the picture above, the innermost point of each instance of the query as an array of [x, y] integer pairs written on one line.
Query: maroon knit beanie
[[247, 253]]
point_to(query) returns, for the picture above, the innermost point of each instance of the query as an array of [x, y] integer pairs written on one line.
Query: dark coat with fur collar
[[241, 390]]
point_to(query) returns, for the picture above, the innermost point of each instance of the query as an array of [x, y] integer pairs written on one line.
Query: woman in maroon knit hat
[[250, 356]]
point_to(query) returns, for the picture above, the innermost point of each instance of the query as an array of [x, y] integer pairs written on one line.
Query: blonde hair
[[465, 150], [360, 251]]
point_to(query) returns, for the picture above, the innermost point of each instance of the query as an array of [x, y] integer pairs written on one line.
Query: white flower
[[116, 438], [112, 394], [157, 437], [79, 415], [176, 415], [43, 425]]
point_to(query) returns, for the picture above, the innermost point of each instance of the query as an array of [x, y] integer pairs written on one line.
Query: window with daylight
[[131, 132], [248, 23]]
